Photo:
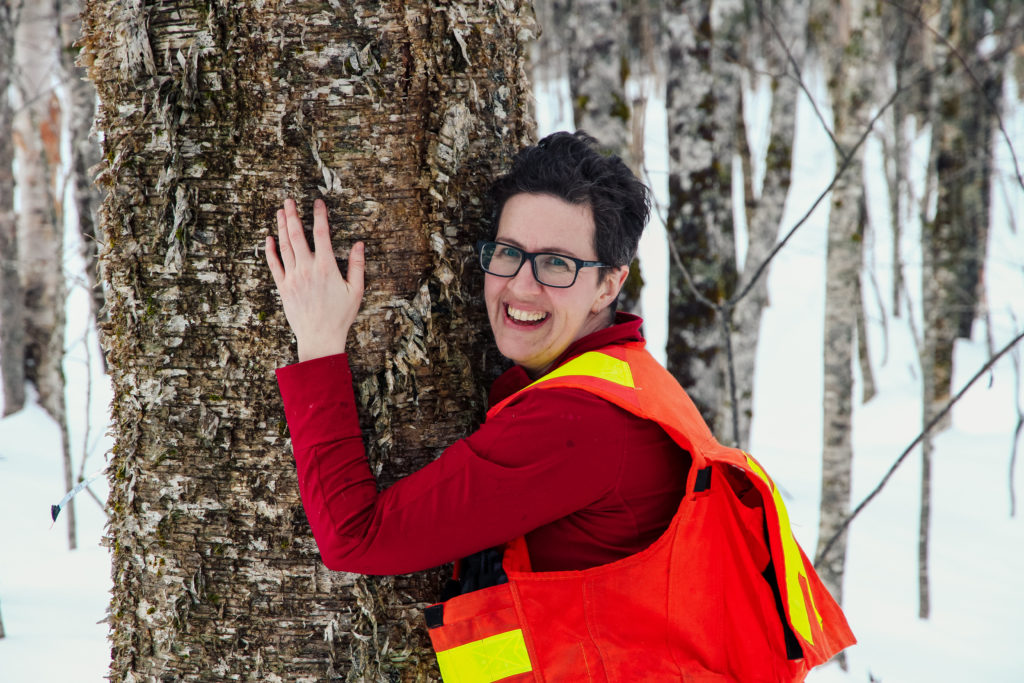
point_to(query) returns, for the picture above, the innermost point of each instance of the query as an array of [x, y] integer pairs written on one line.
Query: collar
[[626, 328]]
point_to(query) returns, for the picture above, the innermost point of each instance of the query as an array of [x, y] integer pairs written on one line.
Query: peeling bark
[[398, 114]]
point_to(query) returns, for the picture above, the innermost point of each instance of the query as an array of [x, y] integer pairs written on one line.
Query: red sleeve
[[513, 475]]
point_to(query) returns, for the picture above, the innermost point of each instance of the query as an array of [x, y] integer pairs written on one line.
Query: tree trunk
[[703, 103], [955, 239], [852, 49], [12, 300], [398, 114], [781, 30], [85, 151], [40, 236], [599, 66], [37, 135]]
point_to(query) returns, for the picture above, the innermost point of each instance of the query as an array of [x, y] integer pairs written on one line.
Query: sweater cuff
[[319, 403]]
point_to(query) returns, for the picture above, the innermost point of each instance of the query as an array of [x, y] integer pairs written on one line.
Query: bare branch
[[903, 456], [821, 197]]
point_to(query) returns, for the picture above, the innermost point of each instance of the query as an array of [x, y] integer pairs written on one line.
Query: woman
[[576, 472]]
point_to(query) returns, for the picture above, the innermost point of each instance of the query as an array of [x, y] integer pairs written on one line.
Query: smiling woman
[[534, 322], [592, 473]]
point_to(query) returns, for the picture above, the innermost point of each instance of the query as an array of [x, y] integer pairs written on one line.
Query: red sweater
[[586, 482]]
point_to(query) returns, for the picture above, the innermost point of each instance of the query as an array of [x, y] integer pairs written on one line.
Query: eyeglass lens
[[505, 260]]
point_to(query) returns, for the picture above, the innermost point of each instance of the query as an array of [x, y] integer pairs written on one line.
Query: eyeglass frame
[[531, 257]]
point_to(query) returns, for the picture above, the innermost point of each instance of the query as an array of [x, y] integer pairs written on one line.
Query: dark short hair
[[572, 167]]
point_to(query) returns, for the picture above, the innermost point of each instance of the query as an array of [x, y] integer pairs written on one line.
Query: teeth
[[525, 316]]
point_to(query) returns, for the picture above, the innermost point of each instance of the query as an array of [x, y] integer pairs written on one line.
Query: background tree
[[715, 300], [703, 111], [601, 57], [8, 274], [38, 356], [80, 96], [12, 341], [966, 90], [850, 43], [398, 114]]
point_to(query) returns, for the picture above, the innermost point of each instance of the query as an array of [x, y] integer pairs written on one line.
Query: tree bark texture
[[780, 31], [85, 149], [703, 110], [954, 240], [40, 228], [852, 48], [599, 66], [398, 114], [40, 234], [12, 307]]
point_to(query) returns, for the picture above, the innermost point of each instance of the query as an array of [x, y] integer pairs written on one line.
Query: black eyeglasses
[[551, 270]]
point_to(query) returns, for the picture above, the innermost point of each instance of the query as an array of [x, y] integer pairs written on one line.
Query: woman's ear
[[609, 287]]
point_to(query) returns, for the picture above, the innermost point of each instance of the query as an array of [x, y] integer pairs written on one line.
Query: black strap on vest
[[703, 482]]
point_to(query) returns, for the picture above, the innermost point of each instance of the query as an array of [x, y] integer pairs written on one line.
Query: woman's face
[[532, 323]]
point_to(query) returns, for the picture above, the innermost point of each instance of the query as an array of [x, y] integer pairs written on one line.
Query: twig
[[903, 456], [821, 197]]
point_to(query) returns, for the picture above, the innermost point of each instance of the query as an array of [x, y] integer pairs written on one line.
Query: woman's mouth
[[528, 318]]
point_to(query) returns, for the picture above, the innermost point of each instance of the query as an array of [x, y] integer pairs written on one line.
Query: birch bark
[[954, 239], [12, 307], [851, 47], [703, 108], [398, 113], [599, 66], [85, 149], [781, 44]]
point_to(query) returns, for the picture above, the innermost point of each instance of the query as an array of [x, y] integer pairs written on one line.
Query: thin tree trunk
[[398, 114], [955, 239], [703, 103], [12, 300], [37, 127], [781, 30], [851, 47], [85, 150]]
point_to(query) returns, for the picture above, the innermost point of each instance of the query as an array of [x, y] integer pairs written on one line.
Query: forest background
[[872, 145]]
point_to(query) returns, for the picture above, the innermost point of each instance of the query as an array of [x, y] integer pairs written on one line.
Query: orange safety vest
[[694, 606]]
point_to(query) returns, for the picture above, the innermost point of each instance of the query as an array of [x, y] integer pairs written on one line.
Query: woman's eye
[[510, 253], [555, 262]]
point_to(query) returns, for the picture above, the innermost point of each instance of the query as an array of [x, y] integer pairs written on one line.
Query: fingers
[[321, 230], [276, 269], [296, 236], [356, 267], [287, 255]]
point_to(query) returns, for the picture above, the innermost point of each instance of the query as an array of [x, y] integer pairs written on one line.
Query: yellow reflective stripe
[[485, 660], [799, 611], [594, 364]]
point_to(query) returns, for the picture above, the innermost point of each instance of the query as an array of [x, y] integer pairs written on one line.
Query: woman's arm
[[516, 473]]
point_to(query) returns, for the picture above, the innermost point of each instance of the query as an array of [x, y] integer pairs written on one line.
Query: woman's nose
[[524, 280]]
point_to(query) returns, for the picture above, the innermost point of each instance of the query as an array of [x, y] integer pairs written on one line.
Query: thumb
[[356, 266]]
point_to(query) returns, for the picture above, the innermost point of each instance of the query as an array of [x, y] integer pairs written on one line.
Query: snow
[[51, 598]]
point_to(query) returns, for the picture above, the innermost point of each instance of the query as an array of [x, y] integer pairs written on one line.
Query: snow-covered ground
[[51, 599]]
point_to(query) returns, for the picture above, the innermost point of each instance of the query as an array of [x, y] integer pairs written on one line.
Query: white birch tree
[[398, 114]]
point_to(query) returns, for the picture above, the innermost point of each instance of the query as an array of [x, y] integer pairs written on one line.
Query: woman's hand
[[319, 303]]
